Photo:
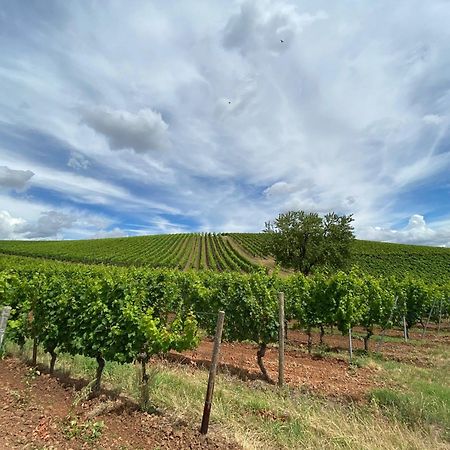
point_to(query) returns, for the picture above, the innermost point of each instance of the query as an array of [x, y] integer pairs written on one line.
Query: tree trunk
[[98, 375], [322, 333], [309, 340], [260, 355], [52, 360], [366, 340], [422, 325]]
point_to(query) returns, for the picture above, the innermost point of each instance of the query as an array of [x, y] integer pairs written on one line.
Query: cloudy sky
[[141, 117]]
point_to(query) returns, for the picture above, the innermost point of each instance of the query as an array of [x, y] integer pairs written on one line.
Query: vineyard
[[180, 251], [242, 252], [123, 315], [120, 313]]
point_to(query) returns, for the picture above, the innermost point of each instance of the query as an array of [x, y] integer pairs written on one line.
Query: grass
[[411, 414], [422, 395]]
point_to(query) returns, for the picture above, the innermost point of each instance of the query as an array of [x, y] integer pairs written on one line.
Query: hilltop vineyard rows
[[241, 252]]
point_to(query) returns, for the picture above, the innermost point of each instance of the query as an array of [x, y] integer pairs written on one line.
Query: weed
[[89, 430]]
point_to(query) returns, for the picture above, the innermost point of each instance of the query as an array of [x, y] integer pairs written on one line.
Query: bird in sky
[[281, 40]]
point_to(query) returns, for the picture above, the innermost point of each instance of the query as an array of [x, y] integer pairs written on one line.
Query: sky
[[122, 118]]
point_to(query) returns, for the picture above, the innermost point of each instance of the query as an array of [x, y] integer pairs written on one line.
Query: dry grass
[[260, 416]]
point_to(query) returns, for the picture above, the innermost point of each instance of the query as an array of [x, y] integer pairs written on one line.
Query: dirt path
[[37, 412]]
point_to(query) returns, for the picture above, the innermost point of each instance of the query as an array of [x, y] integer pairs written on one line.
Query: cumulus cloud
[[143, 132], [344, 115], [78, 162], [14, 179], [9, 225], [417, 231], [49, 225]]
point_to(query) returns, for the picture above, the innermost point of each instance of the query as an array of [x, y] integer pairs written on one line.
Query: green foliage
[[306, 241], [181, 251], [121, 313]]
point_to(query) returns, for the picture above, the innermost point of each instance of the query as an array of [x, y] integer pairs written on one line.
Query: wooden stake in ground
[[212, 374], [281, 339], [380, 342], [428, 320], [350, 344], [35, 350], [3, 321], [440, 316], [405, 329]]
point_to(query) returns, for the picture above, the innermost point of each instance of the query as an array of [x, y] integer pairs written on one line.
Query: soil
[[407, 352], [37, 412], [323, 375]]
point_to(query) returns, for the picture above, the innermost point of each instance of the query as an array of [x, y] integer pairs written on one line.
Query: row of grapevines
[[113, 315], [112, 302]]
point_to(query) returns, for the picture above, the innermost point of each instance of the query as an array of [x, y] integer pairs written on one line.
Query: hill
[[230, 251]]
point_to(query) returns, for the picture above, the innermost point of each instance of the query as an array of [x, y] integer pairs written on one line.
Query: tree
[[304, 241]]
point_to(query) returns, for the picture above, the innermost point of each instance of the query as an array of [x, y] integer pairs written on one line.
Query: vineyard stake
[[350, 344], [281, 339], [428, 320], [405, 332], [440, 316], [380, 342], [3, 321], [212, 374]]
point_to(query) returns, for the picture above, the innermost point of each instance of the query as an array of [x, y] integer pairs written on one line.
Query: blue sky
[[134, 117]]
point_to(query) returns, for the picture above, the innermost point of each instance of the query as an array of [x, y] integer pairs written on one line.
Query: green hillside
[[182, 251], [232, 251]]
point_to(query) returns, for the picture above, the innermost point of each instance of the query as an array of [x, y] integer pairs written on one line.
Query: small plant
[[89, 431], [19, 398], [31, 375]]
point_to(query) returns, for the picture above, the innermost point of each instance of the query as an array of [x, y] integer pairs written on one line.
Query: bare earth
[[36, 413]]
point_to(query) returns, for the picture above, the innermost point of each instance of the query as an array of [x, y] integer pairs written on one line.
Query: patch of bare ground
[[415, 351], [324, 375], [37, 411]]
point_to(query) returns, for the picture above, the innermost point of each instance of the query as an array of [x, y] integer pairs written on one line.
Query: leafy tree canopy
[[306, 241]]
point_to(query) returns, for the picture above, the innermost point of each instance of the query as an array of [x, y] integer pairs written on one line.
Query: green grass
[[422, 394], [412, 412]]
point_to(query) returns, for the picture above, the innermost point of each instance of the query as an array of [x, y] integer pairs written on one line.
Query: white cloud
[[143, 132], [49, 225], [350, 116], [417, 231], [278, 189], [14, 179], [9, 225], [77, 161]]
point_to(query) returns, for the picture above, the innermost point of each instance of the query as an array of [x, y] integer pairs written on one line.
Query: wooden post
[[35, 349], [281, 339], [405, 331], [440, 316], [350, 344], [212, 374], [428, 319], [380, 342], [3, 321]]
